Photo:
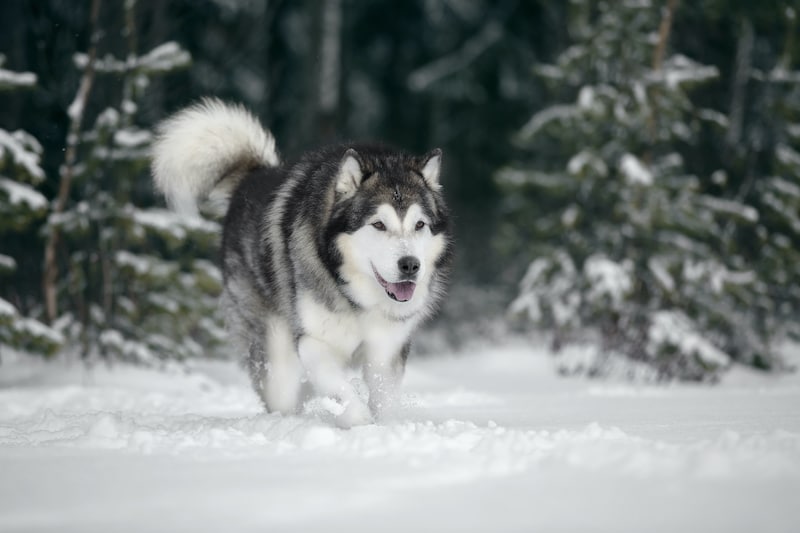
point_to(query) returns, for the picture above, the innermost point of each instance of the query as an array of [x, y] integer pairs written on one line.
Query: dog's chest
[[344, 330]]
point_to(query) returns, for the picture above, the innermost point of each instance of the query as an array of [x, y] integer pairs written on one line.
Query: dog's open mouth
[[402, 291]]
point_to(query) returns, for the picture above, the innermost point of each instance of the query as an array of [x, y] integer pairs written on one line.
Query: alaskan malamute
[[329, 262]]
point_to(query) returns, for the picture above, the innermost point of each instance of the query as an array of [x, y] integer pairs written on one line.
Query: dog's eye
[[420, 225], [379, 226]]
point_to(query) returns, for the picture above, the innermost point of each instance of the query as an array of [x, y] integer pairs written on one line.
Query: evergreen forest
[[623, 175]]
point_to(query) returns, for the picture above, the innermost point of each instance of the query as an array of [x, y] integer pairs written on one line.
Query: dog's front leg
[[327, 374], [383, 372]]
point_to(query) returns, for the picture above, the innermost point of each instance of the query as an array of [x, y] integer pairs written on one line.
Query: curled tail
[[201, 152]]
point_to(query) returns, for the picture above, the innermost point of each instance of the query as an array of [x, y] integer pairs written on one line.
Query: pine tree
[[629, 248], [21, 206], [137, 286], [774, 190]]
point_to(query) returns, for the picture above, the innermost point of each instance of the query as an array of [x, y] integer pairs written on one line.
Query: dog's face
[[395, 237]]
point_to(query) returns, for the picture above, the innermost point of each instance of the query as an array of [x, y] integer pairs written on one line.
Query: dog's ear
[[350, 173], [431, 165]]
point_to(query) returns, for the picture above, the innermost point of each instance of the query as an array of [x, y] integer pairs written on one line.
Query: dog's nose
[[408, 265]]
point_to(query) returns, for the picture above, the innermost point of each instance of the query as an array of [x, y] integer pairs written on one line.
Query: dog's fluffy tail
[[201, 153]]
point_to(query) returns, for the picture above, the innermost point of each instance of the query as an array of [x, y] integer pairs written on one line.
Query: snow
[[163, 58], [543, 118], [586, 159], [784, 187], [24, 150], [549, 283], [75, 112], [10, 78], [144, 265], [659, 269], [174, 224], [673, 328], [33, 328], [679, 69], [487, 440], [608, 279], [788, 156], [635, 172], [132, 137], [730, 207], [7, 263], [7, 309], [19, 193]]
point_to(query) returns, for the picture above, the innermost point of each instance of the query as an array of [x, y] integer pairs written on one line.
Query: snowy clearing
[[489, 440]]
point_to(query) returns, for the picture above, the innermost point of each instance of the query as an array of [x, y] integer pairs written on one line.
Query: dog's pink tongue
[[403, 290]]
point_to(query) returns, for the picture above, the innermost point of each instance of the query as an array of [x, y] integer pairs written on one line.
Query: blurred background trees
[[622, 174]]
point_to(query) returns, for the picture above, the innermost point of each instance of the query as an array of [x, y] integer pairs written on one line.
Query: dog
[[329, 263]]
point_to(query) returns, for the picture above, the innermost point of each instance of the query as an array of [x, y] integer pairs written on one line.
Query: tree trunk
[[330, 68], [744, 52], [75, 111], [664, 30]]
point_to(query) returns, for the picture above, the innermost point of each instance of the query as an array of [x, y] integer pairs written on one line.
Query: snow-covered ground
[[489, 440]]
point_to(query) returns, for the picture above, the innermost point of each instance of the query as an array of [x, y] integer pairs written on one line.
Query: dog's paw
[[355, 413], [383, 405]]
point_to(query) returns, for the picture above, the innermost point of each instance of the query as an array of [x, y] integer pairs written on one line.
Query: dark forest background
[[624, 175]]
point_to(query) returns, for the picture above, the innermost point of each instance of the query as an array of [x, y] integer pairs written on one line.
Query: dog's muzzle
[[400, 291]]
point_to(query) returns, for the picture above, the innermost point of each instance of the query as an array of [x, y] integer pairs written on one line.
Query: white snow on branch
[[112, 339], [711, 115], [715, 275], [788, 156], [545, 117], [424, 77], [207, 269], [24, 150], [140, 265], [108, 63], [28, 327], [7, 263], [528, 301], [7, 309], [19, 193], [729, 207], [172, 223], [549, 287], [675, 329], [586, 159], [10, 79], [635, 172], [144, 265], [658, 268], [784, 187], [33, 328], [608, 278], [778, 204], [132, 137], [162, 58], [679, 69]]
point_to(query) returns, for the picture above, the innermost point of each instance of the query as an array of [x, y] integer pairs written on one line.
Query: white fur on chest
[[344, 330]]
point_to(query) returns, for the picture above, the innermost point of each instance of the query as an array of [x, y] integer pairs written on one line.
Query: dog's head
[[392, 232]]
